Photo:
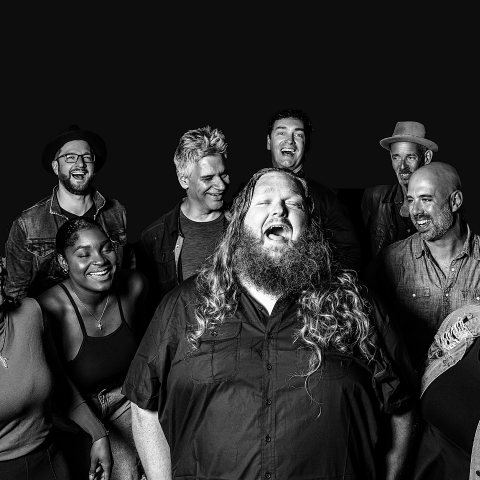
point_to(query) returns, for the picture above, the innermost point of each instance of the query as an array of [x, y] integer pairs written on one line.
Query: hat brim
[[386, 142], [94, 140]]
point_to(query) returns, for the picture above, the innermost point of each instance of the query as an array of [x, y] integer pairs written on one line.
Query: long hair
[[332, 314]]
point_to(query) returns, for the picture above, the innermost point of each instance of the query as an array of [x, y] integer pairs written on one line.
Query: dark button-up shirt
[[30, 248], [238, 408], [419, 292]]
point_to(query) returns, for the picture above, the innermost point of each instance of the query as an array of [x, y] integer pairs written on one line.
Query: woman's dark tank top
[[102, 362]]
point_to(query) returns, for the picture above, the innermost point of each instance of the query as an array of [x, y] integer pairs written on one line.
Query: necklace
[[2, 358], [99, 320]]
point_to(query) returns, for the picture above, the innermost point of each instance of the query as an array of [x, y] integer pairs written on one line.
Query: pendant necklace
[[2, 358], [99, 320]]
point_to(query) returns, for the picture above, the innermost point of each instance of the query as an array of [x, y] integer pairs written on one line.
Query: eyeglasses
[[73, 157]]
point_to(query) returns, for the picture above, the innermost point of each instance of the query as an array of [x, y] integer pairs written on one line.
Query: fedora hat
[[413, 132], [74, 132]]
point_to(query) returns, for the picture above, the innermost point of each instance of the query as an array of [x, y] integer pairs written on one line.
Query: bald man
[[430, 274]]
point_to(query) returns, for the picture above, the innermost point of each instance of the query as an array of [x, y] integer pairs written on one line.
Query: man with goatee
[[270, 363], [435, 271], [74, 156]]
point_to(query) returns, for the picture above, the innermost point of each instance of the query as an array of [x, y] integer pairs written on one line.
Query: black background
[[141, 87]]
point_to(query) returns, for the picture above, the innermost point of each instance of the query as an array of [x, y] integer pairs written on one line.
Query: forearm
[[152, 446], [19, 263], [401, 427]]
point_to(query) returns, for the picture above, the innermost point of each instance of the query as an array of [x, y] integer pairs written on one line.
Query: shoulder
[[159, 225], [377, 192], [113, 204], [34, 210], [130, 282], [53, 301], [319, 189], [28, 314]]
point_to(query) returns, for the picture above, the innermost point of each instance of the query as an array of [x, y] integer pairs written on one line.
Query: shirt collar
[[98, 200], [471, 247]]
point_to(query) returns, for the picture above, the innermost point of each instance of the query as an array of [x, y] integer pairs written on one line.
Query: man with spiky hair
[[288, 140], [173, 247], [271, 363]]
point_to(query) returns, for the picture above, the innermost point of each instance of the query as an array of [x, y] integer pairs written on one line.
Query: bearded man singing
[[74, 156], [435, 271], [270, 363]]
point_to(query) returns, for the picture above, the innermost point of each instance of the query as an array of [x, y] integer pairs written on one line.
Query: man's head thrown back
[[435, 197], [201, 171], [288, 139], [274, 245]]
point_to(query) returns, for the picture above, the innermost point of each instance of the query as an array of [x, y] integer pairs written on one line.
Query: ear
[[62, 262], [55, 166], [183, 180], [456, 200], [428, 156], [268, 143]]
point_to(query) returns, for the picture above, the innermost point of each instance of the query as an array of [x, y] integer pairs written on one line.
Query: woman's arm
[[72, 403]]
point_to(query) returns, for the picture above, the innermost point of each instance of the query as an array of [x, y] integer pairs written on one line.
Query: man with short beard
[[75, 156], [435, 271], [385, 207], [270, 363]]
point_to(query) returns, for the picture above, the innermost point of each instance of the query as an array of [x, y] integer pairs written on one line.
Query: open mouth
[[422, 223], [278, 232], [100, 273], [288, 151], [78, 175]]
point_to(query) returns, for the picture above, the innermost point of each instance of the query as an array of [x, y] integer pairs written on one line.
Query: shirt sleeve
[[146, 380], [19, 262], [395, 380]]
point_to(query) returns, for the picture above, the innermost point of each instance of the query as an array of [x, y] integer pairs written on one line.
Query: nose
[[279, 209], [415, 208], [98, 258], [220, 183], [80, 161]]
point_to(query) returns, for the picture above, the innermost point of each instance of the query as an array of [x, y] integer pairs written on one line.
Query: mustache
[[421, 216], [405, 170]]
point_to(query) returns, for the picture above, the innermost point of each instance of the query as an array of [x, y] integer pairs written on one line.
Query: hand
[[101, 460]]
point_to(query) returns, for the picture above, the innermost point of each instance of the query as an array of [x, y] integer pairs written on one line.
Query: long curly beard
[[294, 267]]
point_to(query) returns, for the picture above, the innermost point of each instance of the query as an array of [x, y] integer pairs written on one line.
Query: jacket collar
[[394, 194], [98, 200]]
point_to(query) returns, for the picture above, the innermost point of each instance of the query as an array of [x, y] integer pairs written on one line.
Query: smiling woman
[[96, 312]]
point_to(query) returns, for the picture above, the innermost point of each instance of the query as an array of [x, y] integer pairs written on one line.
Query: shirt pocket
[[471, 297], [334, 365], [41, 248], [415, 300], [217, 356], [165, 263]]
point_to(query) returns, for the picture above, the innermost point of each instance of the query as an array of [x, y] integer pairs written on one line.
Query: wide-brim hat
[[73, 132], [412, 132]]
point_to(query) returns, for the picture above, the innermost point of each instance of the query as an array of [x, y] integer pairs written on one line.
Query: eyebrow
[[284, 127], [102, 244]]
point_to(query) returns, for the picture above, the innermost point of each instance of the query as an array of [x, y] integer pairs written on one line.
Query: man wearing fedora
[[384, 207], [74, 156], [288, 140]]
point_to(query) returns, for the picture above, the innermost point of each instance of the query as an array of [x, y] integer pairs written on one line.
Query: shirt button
[[269, 366], [446, 294], [478, 298], [270, 336], [268, 475], [268, 439], [214, 333], [453, 269], [408, 230], [414, 294], [268, 401]]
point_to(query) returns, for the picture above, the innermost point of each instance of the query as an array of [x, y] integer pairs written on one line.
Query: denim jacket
[[454, 337], [30, 249]]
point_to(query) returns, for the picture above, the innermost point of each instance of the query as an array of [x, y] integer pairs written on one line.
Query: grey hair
[[197, 144]]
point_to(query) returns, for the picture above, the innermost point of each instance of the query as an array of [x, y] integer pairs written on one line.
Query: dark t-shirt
[[199, 243], [90, 213], [238, 408]]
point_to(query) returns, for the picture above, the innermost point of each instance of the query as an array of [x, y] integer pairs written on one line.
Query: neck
[[193, 212], [87, 296], [76, 204], [450, 245], [267, 300]]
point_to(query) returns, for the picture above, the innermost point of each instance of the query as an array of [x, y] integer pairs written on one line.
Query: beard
[[284, 270], [82, 189], [439, 225]]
